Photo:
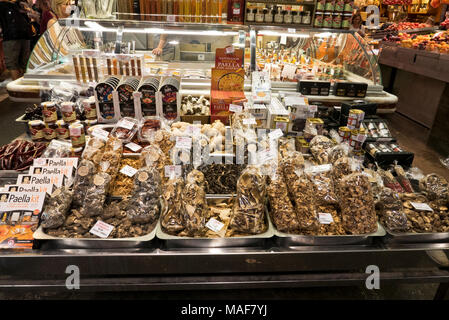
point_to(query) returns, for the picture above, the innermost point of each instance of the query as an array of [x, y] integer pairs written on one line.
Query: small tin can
[[358, 137], [36, 130], [68, 112], [50, 131], [372, 149], [49, 111], [77, 135], [355, 118], [90, 109], [62, 130], [318, 22], [344, 133]]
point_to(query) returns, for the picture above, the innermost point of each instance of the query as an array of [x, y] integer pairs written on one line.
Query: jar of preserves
[[50, 131], [320, 5], [349, 6], [306, 17], [346, 21], [36, 130], [68, 112], [336, 21], [62, 130], [330, 5], [90, 109], [339, 5], [327, 20], [77, 135], [49, 111]]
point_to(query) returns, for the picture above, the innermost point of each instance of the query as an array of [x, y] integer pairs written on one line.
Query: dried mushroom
[[321, 147], [56, 208], [435, 186], [94, 151], [172, 219], [303, 196], [221, 178], [290, 164], [96, 194], [220, 210], [391, 210], [194, 204], [83, 179], [123, 184]]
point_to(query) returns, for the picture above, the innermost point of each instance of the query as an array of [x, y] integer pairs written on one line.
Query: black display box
[[350, 89], [314, 88]]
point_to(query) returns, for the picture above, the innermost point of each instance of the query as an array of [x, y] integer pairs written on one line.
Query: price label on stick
[[101, 229], [421, 206], [129, 171], [325, 218], [173, 171], [276, 134]]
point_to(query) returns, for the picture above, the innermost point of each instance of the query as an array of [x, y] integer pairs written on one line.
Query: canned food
[[344, 133], [355, 118], [68, 112], [77, 135], [62, 130], [90, 110], [36, 130], [49, 111]]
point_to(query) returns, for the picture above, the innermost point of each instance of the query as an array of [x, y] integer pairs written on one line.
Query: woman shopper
[[54, 10]]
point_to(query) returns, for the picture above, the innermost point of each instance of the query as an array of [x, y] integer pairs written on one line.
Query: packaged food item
[[50, 132], [357, 203], [337, 152], [68, 112], [152, 156], [402, 179], [323, 185], [148, 88], [390, 181], [320, 147], [391, 210], [172, 220], [62, 130], [123, 183], [95, 195], [341, 167], [125, 92], [194, 204], [302, 192], [83, 179], [355, 119], [57, 149], [292, 162], [77, 135], [148, 128], [286, 145], [144, 204], [56, 208], [125, 129], [50, 111], [219, 213], [94, 150], [162, 139], [434, 186], [249, 209], [89, 108], [221, 177], [37, 130]]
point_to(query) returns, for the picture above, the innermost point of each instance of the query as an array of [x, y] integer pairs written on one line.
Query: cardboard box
[[193, 47], [194, 118], [227, 80], [275, 109], [229, 58], [258, 111], [220, 101]]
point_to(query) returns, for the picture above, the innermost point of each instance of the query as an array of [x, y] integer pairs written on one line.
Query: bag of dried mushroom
[[83, 180], [96, 194], [56, 208], [434, 186], [94, 150], [172, 220], [123, 183], [290, 164], [321, 147], [249, 209], [110, 160], [391, 210]]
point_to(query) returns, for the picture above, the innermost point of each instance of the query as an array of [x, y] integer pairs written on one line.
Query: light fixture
[[281, 34], [174, 42]]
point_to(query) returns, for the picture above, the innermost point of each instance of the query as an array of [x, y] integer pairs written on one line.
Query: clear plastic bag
[[56, 208], [303, 195], [286, 145], [144, 205], [391, 211], [57, 149], [83, 179], [194, 204], [110, 159], [434, 186], [94, 150], [390, 181], [96, 194], [337, 152], [148, 127], [249, 209], [125, 129], [320, 147], [357, 203], [172, 219], [402, 179], [152, 156], [290, 163], [323, 185]]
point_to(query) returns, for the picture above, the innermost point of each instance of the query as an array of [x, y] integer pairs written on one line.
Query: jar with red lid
[[37, 130], [77, 135], [49, 111]]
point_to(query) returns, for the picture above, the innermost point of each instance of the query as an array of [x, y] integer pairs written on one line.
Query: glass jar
[[249, 15], [321, 4], [259, 16], [306, 17], [346, 21], [268, 15], [36, 130], [318, 20], [279, 16], [296, 17], [50, 131], [288, 18], [327, 20], [77, 135], [336, 21], [49, 111], [62, 130]]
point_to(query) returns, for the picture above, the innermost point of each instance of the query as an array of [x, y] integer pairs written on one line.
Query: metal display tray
[[9, 177], [94, 243], [404, 238]]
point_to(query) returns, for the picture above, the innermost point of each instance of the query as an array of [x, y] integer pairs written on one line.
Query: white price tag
[[276, 134], [235, 108], [421, 206], [230, 49], [201, 57], [102, 229], [171, 18], [266, 155], [173, 171], [194, 130], [100, 134], [128, 171], [384, 139], [137, 95], [325, 218], [126, 124], [133, 147], [249, 121], [283, 39], [319, 169], [214, 225], [183, 143], [313, 108], [361, 138], [291, 30]]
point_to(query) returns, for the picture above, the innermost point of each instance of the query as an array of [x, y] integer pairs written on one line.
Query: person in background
[[34, 15], [164, 49], [15, 27], [357, 23], [56, 9]]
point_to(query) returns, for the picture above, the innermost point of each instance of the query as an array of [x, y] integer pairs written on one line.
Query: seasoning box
[[30, 188], [41, 179]]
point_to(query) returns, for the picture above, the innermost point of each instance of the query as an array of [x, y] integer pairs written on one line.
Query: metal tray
[[189, 242], [93, 243], [429, 237], [9, 177]]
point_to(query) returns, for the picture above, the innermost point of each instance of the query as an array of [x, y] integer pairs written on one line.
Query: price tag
[[276, 134], [133, 147], [384, 139], [325, 218], [291, 30], [421, 206], [249, 121], [289, 72], [193, 130], [235, 108], [230, 49], [283, 39], [102, 229], [313, 108], [137, 95], [266, 155], [319, 169], [128, 171], [214, 225], [361, 138], [100, 134], [171, 18], [173, 171], [126, 124], [201, 57], [183, 143]]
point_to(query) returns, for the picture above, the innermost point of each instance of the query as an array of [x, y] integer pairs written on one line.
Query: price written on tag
[[325, 218], [421, 206], [102, 229], [128, 171], [133, 147], [266, 155], [313, 108], [126, 124], [249, 121], [319, 169], [100, 134], [171, 18], [276, 134], [183, 143], [235, 108], [214, 225], [193, 130], [173, 171], [361, 138]]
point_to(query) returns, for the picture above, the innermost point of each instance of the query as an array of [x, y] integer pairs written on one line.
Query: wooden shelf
[[285, 2]]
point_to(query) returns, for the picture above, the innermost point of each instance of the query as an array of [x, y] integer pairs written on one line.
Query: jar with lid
[[62, 130], [49, 111], [327, 20], [296, 17], [68, 112], [330, 5], [259, 15], [306, 17], [288, 18], [346, 21], [279, 16], [336, 21], [90, 109], [50, 131], [318, 20], [249, 15], [77, 135], [36, 130], [268, 15]]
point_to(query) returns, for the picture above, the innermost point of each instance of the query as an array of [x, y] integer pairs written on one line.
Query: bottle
[[158, 10], [268, 15], [180, 10], [306, 19], [208, 12], [259, 16], [279, 16], [288, 18], [169, 9], [220, 11], [296, 17], [186, 10], [214, 11], [164, 10], [192, 10], [249, 15], [198, 11]]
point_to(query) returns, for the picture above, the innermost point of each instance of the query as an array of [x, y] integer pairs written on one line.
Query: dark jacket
[[14, 23]]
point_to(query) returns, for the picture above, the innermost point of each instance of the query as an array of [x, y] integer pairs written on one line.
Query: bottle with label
[[278, 16], [235, 10], [306, 18], [198, 11], [214, 11], [249, 15], [259, 15], [180, 11], [268, 15], [296, 17], [288, 18], [318, 20]]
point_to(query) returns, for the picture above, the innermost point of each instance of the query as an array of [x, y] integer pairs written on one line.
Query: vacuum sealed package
[[323, 184], [83, 179], [282, 212], [434, 186], [125, 129], [391, 210], [172, 220], [357, 203], [321, 147], [194, 204], [303, 195], [56, 208], [58, 149], [402, 179], [96, 194], [143, 205], [249, 209]]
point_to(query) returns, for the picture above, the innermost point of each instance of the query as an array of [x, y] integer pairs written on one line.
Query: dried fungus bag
[[194, 203], [304, 199], [83, 179], [249, 209], [434, 186], [391, 211], [56, 208], [96, 195], [172, 219], [321, 147], [323, 184]]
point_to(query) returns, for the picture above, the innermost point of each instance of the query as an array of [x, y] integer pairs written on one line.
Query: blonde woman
[[59, 9]]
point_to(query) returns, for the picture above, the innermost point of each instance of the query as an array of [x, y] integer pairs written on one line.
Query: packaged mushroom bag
[[434, 186], [57, 207], [303, 196], [94, 150], [249, 208], [83, 179], [172, 219], [96, 195], [391, 210], [321, 147]]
